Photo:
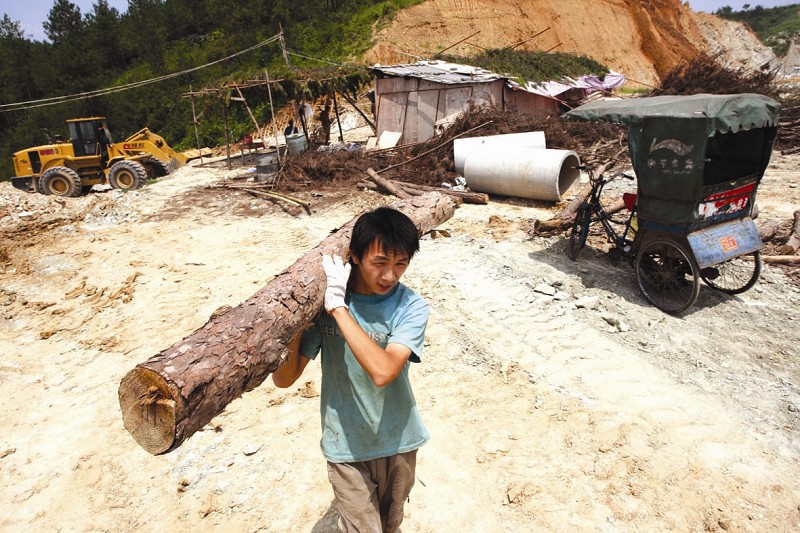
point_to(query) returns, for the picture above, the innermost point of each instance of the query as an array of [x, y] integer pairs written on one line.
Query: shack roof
[[439, 72]]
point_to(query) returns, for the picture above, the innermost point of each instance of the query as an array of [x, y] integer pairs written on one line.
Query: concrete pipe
[[463, 148], [537, 174]]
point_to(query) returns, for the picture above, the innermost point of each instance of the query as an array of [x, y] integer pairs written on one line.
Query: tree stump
[[176, 392]]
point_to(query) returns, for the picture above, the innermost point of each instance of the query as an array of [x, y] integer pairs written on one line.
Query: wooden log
[[386, 185], [782, 259], [768, 229], [566, 216], [468, 197], [791, 246], [169, 397]]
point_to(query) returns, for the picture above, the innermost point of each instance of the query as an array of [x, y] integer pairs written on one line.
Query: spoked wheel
[[580, 230], [667, 276], [734, 276]]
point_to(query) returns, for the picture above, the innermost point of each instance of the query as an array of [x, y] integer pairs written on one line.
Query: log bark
[[386, 185], [768, 229], [468, 197], [169, 397], [791, 246]]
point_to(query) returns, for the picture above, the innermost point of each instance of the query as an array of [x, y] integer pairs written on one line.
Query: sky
[[32, 13]]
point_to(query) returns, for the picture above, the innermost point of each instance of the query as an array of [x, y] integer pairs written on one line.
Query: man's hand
[[338, 274]]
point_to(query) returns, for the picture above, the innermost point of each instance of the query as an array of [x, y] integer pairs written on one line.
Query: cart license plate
[[714, 245]]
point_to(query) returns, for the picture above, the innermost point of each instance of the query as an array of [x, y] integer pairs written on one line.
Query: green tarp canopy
[[684, 148], [714, 112]]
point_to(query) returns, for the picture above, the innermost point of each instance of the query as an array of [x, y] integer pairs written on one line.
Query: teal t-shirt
[[361, 421]]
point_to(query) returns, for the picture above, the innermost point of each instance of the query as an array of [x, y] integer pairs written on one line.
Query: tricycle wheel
[[579, 232], [667, 276], [734, 276]]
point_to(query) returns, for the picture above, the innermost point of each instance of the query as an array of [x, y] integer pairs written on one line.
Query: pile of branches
[[432, 163], [788, 141], [705, 75]]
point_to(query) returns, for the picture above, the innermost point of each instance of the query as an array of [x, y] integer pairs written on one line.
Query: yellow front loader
[[91, 157]]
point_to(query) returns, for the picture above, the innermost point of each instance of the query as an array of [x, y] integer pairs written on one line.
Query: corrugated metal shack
[[414, 98]]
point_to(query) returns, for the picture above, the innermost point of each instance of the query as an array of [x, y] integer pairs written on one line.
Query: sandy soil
[[557, 398]]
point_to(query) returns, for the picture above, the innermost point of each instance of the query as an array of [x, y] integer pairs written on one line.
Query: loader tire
[[127, 175], [60, 181], [155, 168]]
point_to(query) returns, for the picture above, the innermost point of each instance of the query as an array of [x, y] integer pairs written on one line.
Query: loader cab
[[90, 137]]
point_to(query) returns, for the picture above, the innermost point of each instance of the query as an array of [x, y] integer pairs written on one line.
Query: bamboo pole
[[338, 122], [227, 135], [272, 113], [196, 134], [249, 112], [363, 115]]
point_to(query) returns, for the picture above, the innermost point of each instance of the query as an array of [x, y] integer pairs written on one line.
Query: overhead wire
[[292, 52], [19, 106]]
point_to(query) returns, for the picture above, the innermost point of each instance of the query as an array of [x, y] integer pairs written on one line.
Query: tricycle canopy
[[698, 159]]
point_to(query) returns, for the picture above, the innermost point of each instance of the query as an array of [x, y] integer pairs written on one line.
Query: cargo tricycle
[[698, 162]]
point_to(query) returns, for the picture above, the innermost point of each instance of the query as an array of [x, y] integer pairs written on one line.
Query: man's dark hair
[[393, 230]]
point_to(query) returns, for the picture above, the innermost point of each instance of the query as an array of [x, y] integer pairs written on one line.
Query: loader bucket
[[23, 184], [174, 164]]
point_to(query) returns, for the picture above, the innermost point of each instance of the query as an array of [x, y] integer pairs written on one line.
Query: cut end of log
[[148, 411]]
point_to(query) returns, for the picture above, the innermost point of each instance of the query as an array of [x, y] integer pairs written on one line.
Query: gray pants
[[370, 495]]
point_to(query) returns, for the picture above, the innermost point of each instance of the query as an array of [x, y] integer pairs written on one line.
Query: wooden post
[[227, 136], [272, 113], [358, 109], [194, 121], [176, 392], [283, 45], [249, 112], [338, 122]]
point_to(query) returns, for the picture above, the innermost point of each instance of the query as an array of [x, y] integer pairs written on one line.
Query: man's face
[[379, 271]]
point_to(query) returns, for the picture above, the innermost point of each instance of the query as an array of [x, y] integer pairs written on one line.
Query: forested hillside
[[157, 38], [776, 27]]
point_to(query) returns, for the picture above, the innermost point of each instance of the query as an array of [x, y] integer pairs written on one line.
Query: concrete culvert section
[[464, 148], [537, 174]]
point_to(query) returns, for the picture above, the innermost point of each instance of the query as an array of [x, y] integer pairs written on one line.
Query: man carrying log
[[373, 327]]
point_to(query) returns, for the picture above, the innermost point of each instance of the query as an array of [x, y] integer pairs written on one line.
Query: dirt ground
[[556, 397]]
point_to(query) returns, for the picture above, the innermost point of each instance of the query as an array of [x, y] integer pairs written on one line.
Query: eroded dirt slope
[[643, 40]]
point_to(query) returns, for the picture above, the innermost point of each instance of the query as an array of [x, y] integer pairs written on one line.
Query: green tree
[[64, 23], [10, 29], [103, 26]]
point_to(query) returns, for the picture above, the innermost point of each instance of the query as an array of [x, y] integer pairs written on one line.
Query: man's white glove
[[338, 274]]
